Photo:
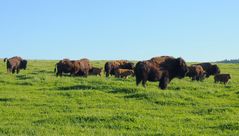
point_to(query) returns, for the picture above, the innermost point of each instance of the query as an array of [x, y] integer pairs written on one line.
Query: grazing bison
[[196, 72], [111, 66], [162, 69], [222, 78], [64, 66], [210, 69], [82, 67], [15, 64], [123, 73], [74, 67], [95, 71]]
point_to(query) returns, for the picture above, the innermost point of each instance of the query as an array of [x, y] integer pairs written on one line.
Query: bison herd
[[158, 69]]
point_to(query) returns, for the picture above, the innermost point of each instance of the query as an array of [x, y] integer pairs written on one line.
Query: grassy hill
[[35, 102]]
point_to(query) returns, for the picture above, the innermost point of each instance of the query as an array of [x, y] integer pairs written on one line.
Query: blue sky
[[205, 30]]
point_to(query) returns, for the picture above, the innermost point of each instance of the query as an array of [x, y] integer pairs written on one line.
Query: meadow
[[36, 102]]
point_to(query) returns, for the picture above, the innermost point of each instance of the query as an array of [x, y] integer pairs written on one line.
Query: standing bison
[[111, 66], [95, 71], [15, 64], [73, 67], [162, 69], [123, 73], [210, 69], [196, 72], [222, 78]]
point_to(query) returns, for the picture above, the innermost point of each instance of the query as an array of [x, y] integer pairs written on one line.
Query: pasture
[[36, 102]]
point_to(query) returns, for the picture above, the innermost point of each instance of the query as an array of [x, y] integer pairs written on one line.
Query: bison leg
[[144, 83], [163, 84], [138, 80], [13, 70], [18, 70]]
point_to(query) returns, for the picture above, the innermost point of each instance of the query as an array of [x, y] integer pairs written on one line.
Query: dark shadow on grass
[[24, 83], [137, 96], [77, 87], [126, 90], [6, 99], [41, 71], [23, 77], [83, 87], [227, 126]]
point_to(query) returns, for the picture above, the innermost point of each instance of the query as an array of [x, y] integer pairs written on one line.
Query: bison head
[[181, 68], [215, 70], [23, 64]]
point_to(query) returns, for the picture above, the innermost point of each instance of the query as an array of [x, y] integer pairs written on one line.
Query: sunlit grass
[[36, 102]]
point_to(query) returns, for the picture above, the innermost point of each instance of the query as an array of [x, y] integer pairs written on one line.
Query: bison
[[147, 71], [74, 67], [15, 64], [222, 78], [95, 71], [210, 69], [196, 72], [162, 69], [111, 66], [124, 73]]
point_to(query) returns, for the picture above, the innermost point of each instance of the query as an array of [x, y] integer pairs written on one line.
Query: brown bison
[[95, 71], [162, 69], [196, 72], [210, 69], [147, 71], [124, 73], [222, 78], [111, 66], [74, 67], [15, 64]]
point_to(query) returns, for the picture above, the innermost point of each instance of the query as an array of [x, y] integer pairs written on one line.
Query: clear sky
[[197, 30]]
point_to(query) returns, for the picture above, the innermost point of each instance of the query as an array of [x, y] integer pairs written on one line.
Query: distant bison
[[95, 71], [123, 73], [73, 67], [111, 66], [210, 69], [15, 64], [222, 78], [196, 72], [162, 69]]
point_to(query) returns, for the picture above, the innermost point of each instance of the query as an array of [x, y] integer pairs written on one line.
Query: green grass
[[35, 102]]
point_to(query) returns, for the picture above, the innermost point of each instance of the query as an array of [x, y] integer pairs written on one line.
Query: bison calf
[[196, 72], [222, 78], [95, 71], [123, 73]]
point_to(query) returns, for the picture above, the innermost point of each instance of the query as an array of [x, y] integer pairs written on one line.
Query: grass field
[[36, 102]]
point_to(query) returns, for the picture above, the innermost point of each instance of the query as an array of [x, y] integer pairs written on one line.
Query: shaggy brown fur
[[210, 69], [15, 64], [222, 78], [95, 71], [156, 67], [74, 67], [111, 66], [147, 71], [123, 73], [196, 72]]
